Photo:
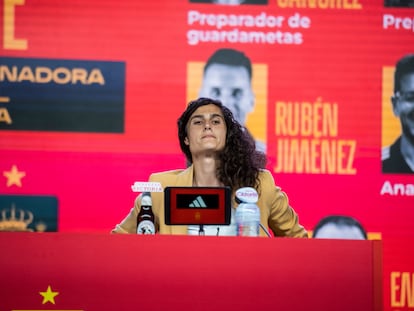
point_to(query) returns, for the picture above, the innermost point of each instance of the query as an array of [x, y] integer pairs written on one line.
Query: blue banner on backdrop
[[62, 95]]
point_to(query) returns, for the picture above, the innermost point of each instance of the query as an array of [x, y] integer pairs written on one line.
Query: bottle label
[[247, 219], [146, 227], [247, 195], [247, 230]]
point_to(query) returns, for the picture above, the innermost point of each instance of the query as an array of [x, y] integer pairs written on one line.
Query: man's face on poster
[[403, 103], [232, 86]]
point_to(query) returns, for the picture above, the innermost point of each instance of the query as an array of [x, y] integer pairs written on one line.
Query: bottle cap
[[247, 195], [146, 199]]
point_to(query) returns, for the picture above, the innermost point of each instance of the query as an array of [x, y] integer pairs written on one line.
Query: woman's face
[[206, 130]]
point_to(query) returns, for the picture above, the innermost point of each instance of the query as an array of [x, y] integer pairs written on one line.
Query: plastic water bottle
[[247, 213]]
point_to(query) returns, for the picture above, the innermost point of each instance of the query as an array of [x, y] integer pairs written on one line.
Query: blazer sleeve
[[283, 220], [129, 223]]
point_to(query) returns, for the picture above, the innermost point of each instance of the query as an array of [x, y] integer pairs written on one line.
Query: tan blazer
[[275, 211]]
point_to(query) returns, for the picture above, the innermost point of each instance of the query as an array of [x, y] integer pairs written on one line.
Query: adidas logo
[[198, 202]]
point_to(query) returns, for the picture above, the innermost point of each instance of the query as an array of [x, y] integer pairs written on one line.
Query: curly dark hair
[[240, 162]]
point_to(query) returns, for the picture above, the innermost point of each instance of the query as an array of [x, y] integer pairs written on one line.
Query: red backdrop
[[340, 60]]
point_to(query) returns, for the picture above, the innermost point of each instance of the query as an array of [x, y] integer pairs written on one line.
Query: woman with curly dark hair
[[238, 163], [220, 152]]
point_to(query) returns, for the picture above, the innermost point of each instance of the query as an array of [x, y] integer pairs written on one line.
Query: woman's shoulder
[[265, 174], [171, 176], [169, 173], [177, 177], [266, 180]]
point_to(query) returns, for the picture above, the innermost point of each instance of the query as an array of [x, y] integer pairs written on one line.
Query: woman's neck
[[205, 173]]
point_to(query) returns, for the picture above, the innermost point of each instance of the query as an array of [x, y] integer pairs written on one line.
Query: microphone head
[[247, 195]]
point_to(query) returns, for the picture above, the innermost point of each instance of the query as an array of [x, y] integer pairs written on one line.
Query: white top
[[216, 230]]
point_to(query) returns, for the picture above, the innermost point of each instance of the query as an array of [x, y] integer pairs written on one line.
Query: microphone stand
[[201, 230]]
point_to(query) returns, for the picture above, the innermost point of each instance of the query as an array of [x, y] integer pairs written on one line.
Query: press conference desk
[[130, 272]]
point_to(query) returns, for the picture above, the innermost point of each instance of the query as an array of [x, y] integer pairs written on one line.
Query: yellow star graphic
[[14, 176], [49, 295]]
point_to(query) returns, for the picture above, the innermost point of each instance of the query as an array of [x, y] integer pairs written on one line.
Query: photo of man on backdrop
[[230, 2], [399, 157], [227, 75], [399, 3]]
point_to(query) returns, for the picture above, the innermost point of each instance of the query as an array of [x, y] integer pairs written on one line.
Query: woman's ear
[[186, 141]]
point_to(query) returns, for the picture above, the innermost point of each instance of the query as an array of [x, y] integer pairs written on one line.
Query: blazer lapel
[[184, 179]]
